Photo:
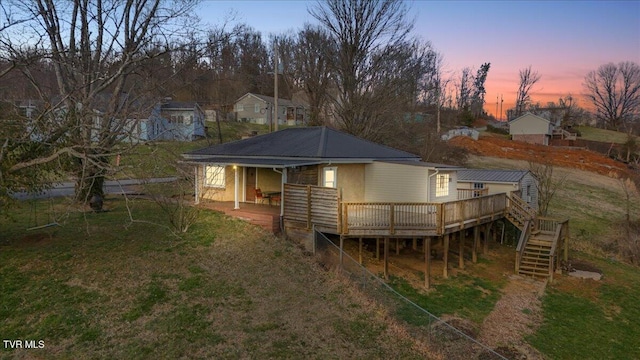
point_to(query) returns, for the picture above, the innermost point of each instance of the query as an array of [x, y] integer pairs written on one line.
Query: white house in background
[[258, 109], [477, 182], [174, 120], [531, 129]]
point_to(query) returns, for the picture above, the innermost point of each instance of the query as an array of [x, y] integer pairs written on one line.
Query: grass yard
[[103, 287], [602, 135], [584, 319]]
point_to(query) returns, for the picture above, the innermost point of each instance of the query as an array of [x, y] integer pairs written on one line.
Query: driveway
[[121, 187]]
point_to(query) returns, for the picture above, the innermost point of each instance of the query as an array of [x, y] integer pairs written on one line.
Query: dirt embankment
[[559, 156]]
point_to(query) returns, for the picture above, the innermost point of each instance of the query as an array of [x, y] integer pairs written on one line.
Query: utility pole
[[275, 80], [496, 107], [501, 101]]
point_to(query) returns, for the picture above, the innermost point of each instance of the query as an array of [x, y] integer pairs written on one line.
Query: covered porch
[[263, 215]]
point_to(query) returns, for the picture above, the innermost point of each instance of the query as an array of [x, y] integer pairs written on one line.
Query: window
[[214, 176], [477, 187], [256, 108], [329, 177], [442, 185], [239, 107]]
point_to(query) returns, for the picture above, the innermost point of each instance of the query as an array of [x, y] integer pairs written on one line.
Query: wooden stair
[[536, 258]]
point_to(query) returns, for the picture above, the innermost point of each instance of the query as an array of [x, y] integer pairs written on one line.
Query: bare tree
[[367, 34], [477, 96], [547, 184], [95, 49], [465, 86], [614, 91], [528, 78], [311, 70]]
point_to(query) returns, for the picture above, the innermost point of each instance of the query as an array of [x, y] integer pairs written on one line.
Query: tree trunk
[[89, 181]]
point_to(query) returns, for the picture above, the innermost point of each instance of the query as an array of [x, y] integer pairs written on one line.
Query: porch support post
[[236, 201], [427, 262], [360, 250], [397, 246], [284, 181], [476, 238], [445, 270], [196, 192], [386, 258], [377, 248], [461, 236]]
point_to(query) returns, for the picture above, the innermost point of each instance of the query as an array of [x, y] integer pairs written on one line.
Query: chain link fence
[[445, 339]]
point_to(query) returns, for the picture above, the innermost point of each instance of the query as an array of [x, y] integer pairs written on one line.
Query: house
[[329, 181], [258, 109], [174, 120], [531, 129], [319, 156], [480, 182]]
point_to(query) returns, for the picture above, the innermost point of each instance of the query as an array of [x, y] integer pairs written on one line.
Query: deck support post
[[427, 262], [377, 248], [476, 238], [360, 250], [386, 258], [445, 257], [461, 237], [341, 250], [415, 244], [485, 249], [397, 246]]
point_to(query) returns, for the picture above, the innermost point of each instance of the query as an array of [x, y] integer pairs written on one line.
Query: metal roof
[[505, 176], [311, 143], [252, 162]]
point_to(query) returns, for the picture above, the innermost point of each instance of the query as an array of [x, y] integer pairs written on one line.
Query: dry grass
[[227, 290]]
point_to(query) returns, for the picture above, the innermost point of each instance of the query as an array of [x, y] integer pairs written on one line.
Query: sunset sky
[[562, 40]]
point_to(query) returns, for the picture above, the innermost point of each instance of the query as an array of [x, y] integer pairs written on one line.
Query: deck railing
[[433, 217], [389, 216], [472, 193]]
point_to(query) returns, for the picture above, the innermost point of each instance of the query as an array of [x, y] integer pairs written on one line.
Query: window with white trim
[[330, 177], [256, 108], [239, 107], [214, 176], [442, 185]]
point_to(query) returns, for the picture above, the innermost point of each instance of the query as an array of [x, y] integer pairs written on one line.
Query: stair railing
[[522, 243], [552, 251], [519, 210]]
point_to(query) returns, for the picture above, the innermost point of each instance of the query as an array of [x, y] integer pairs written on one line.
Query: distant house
[[479, 182], [174, 120], [531, 129], [258, 109]]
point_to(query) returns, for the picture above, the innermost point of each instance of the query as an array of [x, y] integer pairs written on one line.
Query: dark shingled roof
[[317, 143], [505, 176]]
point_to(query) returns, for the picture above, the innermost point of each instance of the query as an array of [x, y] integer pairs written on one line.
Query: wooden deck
[[265, 216], [309, 206]]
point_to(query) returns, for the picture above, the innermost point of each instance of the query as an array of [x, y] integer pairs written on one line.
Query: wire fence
[[444, 339]]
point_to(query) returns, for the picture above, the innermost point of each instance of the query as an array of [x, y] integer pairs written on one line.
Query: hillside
[[576, 158]]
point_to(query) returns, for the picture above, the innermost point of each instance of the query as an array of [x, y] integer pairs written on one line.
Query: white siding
[[528, 182], [529, 124], [453, 185], [387, 182]]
